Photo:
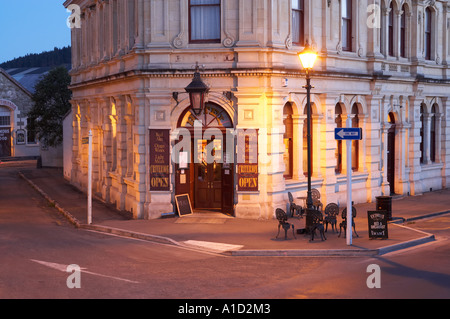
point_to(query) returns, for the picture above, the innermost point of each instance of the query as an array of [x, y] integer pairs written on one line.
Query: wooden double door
[[208, 185], [208, 180]]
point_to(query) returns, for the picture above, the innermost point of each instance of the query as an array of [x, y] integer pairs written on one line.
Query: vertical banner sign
[[159, 160], [247, 160]]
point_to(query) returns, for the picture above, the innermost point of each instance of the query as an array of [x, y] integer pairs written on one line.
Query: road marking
[[63, 268], [217, 247], [177, 245]]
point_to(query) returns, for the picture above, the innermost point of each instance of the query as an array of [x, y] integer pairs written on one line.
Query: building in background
[[15, 102], [383, 67]]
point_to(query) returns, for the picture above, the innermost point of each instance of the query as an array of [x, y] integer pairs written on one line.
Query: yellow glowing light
[[307, 57]]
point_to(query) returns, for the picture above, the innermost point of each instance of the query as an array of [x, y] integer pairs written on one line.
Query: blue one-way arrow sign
[[351, 133]]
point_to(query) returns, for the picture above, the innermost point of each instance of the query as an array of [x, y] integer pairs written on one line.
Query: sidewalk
[[217, 233]]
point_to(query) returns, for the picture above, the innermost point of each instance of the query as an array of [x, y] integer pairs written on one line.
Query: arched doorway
[[5, 131], [206, 169], [288, 139], [391, 153]]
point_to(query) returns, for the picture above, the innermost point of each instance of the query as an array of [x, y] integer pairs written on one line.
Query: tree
[[51, 104]]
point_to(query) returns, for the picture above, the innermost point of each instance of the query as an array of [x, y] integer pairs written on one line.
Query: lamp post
[[197, 90], [307, 58]]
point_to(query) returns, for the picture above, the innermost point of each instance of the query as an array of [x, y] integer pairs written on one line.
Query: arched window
[[391, 30], [338, 152], [422, 135], [113, 118], [298, 22], [428, 34], [403, 32], [5, 132], [212, 116], [433, 134], [355, 144], [288, 141], [391, 153]]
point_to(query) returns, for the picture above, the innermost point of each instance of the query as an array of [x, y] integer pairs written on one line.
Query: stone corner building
[[390, 76]]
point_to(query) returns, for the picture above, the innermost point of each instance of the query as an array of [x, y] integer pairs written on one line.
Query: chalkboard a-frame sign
[[184, 206], [378, 226]]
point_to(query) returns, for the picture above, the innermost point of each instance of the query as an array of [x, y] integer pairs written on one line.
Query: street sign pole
[[349, 134], [89, 217], [349, 193]]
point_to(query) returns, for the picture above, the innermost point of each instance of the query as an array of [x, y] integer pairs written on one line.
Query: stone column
[[414, 139], [385, 35], [401, 146], [372, 137], [438, 118]]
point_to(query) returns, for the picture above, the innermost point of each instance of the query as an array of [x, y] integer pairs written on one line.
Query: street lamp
[[197, 90], [308, 57]]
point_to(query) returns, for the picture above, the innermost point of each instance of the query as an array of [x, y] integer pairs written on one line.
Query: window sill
[[292, 184], [431, 166], [356, 176]]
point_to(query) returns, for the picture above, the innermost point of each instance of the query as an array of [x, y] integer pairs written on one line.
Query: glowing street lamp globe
[[307, 57]]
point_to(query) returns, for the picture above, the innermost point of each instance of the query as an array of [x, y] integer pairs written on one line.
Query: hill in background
[[47, 59], [30, 69]]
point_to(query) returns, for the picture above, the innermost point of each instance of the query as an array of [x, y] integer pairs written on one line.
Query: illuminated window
[[288, 140]]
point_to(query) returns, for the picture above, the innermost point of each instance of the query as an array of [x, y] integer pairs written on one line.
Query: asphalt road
[[37, 245]]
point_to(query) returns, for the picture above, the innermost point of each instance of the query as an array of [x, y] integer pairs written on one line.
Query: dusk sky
[[30, 26]]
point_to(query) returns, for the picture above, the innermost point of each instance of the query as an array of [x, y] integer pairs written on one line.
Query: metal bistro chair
[[282, 222], [295, 210], [331, 213], [343, 224], [315, 194], [316, 223]]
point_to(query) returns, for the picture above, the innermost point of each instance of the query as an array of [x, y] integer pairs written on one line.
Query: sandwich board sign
[[378, 224]]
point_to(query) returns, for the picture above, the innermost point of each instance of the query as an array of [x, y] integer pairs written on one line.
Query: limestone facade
[[383, 66]]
